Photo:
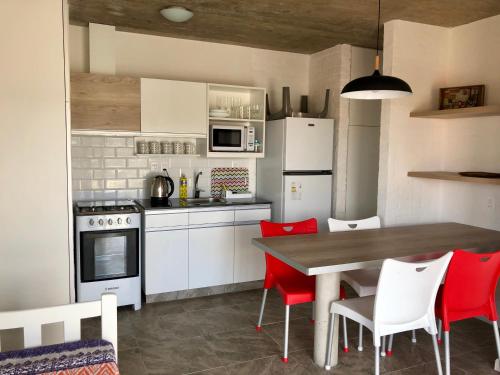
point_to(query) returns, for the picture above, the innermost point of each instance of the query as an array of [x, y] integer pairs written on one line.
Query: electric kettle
[[162, 188]]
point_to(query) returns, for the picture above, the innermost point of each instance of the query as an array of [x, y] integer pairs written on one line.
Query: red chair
[[293, 286], [469, 292]]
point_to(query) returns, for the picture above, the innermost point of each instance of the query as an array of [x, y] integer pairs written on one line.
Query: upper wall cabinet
[[173, 106], [105, 102]]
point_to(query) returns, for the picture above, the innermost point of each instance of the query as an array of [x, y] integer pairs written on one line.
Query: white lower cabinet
[[249, 262], [166, 261], [211, 256]]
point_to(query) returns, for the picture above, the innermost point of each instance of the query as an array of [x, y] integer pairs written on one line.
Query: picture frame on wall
[[461, 97]]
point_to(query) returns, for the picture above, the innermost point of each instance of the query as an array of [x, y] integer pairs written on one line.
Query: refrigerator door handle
[[307, 173]]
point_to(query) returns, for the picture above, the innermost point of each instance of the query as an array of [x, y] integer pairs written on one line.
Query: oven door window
[[227, 137], [106, 255]]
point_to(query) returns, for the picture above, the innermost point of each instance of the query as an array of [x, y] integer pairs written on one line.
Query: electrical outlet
[[155, 166], [490, 203]]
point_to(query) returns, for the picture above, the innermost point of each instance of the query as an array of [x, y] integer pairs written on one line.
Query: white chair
[[412, 288], [364, 282], [32, 320]]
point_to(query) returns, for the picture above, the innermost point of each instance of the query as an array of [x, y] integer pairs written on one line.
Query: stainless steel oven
[[107, 251]]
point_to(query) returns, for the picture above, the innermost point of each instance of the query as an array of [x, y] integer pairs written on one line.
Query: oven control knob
[[91, 222], [110, 221], [119, 221], [101, 222], [129, 220]]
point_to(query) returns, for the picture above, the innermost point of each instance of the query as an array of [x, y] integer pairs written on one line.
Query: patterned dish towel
[[234, 179], [96, 357]]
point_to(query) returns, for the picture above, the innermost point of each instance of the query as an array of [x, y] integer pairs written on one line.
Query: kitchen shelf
[[167, 155], [483, 111], [453, 176], [234, 119]]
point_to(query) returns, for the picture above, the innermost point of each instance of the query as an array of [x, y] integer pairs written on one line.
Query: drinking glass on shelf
[[255, 111]]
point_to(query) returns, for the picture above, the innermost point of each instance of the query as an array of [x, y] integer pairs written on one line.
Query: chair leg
[[436, 353], [447, 351], [313, 313], [261, 314], [346, 343], [328, 360], [285, 344], [497, 340], [382, 352], [377, 360], [389, 348], [360, 342], [413, 337], [440, 331]]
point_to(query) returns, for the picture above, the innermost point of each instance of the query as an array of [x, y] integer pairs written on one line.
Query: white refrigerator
[[296, 173]]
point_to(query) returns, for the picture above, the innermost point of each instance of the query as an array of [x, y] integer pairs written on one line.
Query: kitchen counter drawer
[[167, 220], [211, 217], [252, 215]]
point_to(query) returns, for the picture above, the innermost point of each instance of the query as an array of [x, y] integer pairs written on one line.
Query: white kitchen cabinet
[[211, 256], [173, 106], [249, 262], [166, 261]]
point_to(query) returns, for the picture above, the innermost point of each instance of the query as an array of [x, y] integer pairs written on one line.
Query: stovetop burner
[[106, 207]]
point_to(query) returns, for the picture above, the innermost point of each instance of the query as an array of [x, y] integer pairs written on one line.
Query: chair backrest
[[346, 225], [406, 292], [470, 284], [275, 268]]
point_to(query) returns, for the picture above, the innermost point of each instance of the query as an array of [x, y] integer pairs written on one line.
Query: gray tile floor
[[216, 336]]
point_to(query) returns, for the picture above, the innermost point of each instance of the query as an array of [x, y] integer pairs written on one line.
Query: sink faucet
[[197, 190]]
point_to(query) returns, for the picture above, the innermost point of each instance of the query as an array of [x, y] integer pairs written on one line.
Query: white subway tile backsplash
[[138, 162], [105, 194], [91, 184], [180, 162], [144, 173], [82, 174], [81, 152], [93, 141], [124, 151], [115, 142], [106, 168], [115, 163], [104, 173], [137, 183], [127, 194], [126, 173], [116, 184]]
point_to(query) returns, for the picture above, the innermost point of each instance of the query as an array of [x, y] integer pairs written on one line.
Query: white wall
[[35, 221], [473, 144], [363, 141], [357, 124], [430, 57], [163, 57]]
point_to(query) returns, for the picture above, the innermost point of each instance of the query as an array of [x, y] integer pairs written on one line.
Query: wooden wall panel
[[105, 102]]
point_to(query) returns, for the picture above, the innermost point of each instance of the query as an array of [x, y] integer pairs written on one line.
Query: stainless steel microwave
[[231, 137]]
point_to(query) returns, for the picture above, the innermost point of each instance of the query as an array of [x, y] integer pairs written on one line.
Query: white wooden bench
[[32, 320]]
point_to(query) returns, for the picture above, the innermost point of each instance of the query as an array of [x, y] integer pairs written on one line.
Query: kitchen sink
[[203, 201]]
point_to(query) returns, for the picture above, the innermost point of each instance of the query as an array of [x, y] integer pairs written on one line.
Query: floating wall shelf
[[487, 110], [454, 176]]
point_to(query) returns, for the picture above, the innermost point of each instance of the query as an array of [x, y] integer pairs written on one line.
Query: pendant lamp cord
[[377, 58]]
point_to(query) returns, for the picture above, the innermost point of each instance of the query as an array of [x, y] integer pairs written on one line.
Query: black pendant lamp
[[376, 86]]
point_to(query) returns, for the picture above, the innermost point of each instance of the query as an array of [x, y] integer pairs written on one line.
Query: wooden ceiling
[[287, 25]]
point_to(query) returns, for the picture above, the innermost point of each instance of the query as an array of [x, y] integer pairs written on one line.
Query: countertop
[[177, 204]]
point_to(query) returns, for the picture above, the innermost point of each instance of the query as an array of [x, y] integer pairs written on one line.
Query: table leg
[[327, 290]]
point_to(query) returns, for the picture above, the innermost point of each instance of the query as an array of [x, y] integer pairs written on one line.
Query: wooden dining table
[[326, 255]]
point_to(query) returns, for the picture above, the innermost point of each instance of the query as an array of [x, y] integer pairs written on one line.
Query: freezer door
[[307, 196], [308, 144]]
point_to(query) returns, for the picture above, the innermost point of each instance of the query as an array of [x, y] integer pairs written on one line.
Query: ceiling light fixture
[[176, 14], [376, 86]]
